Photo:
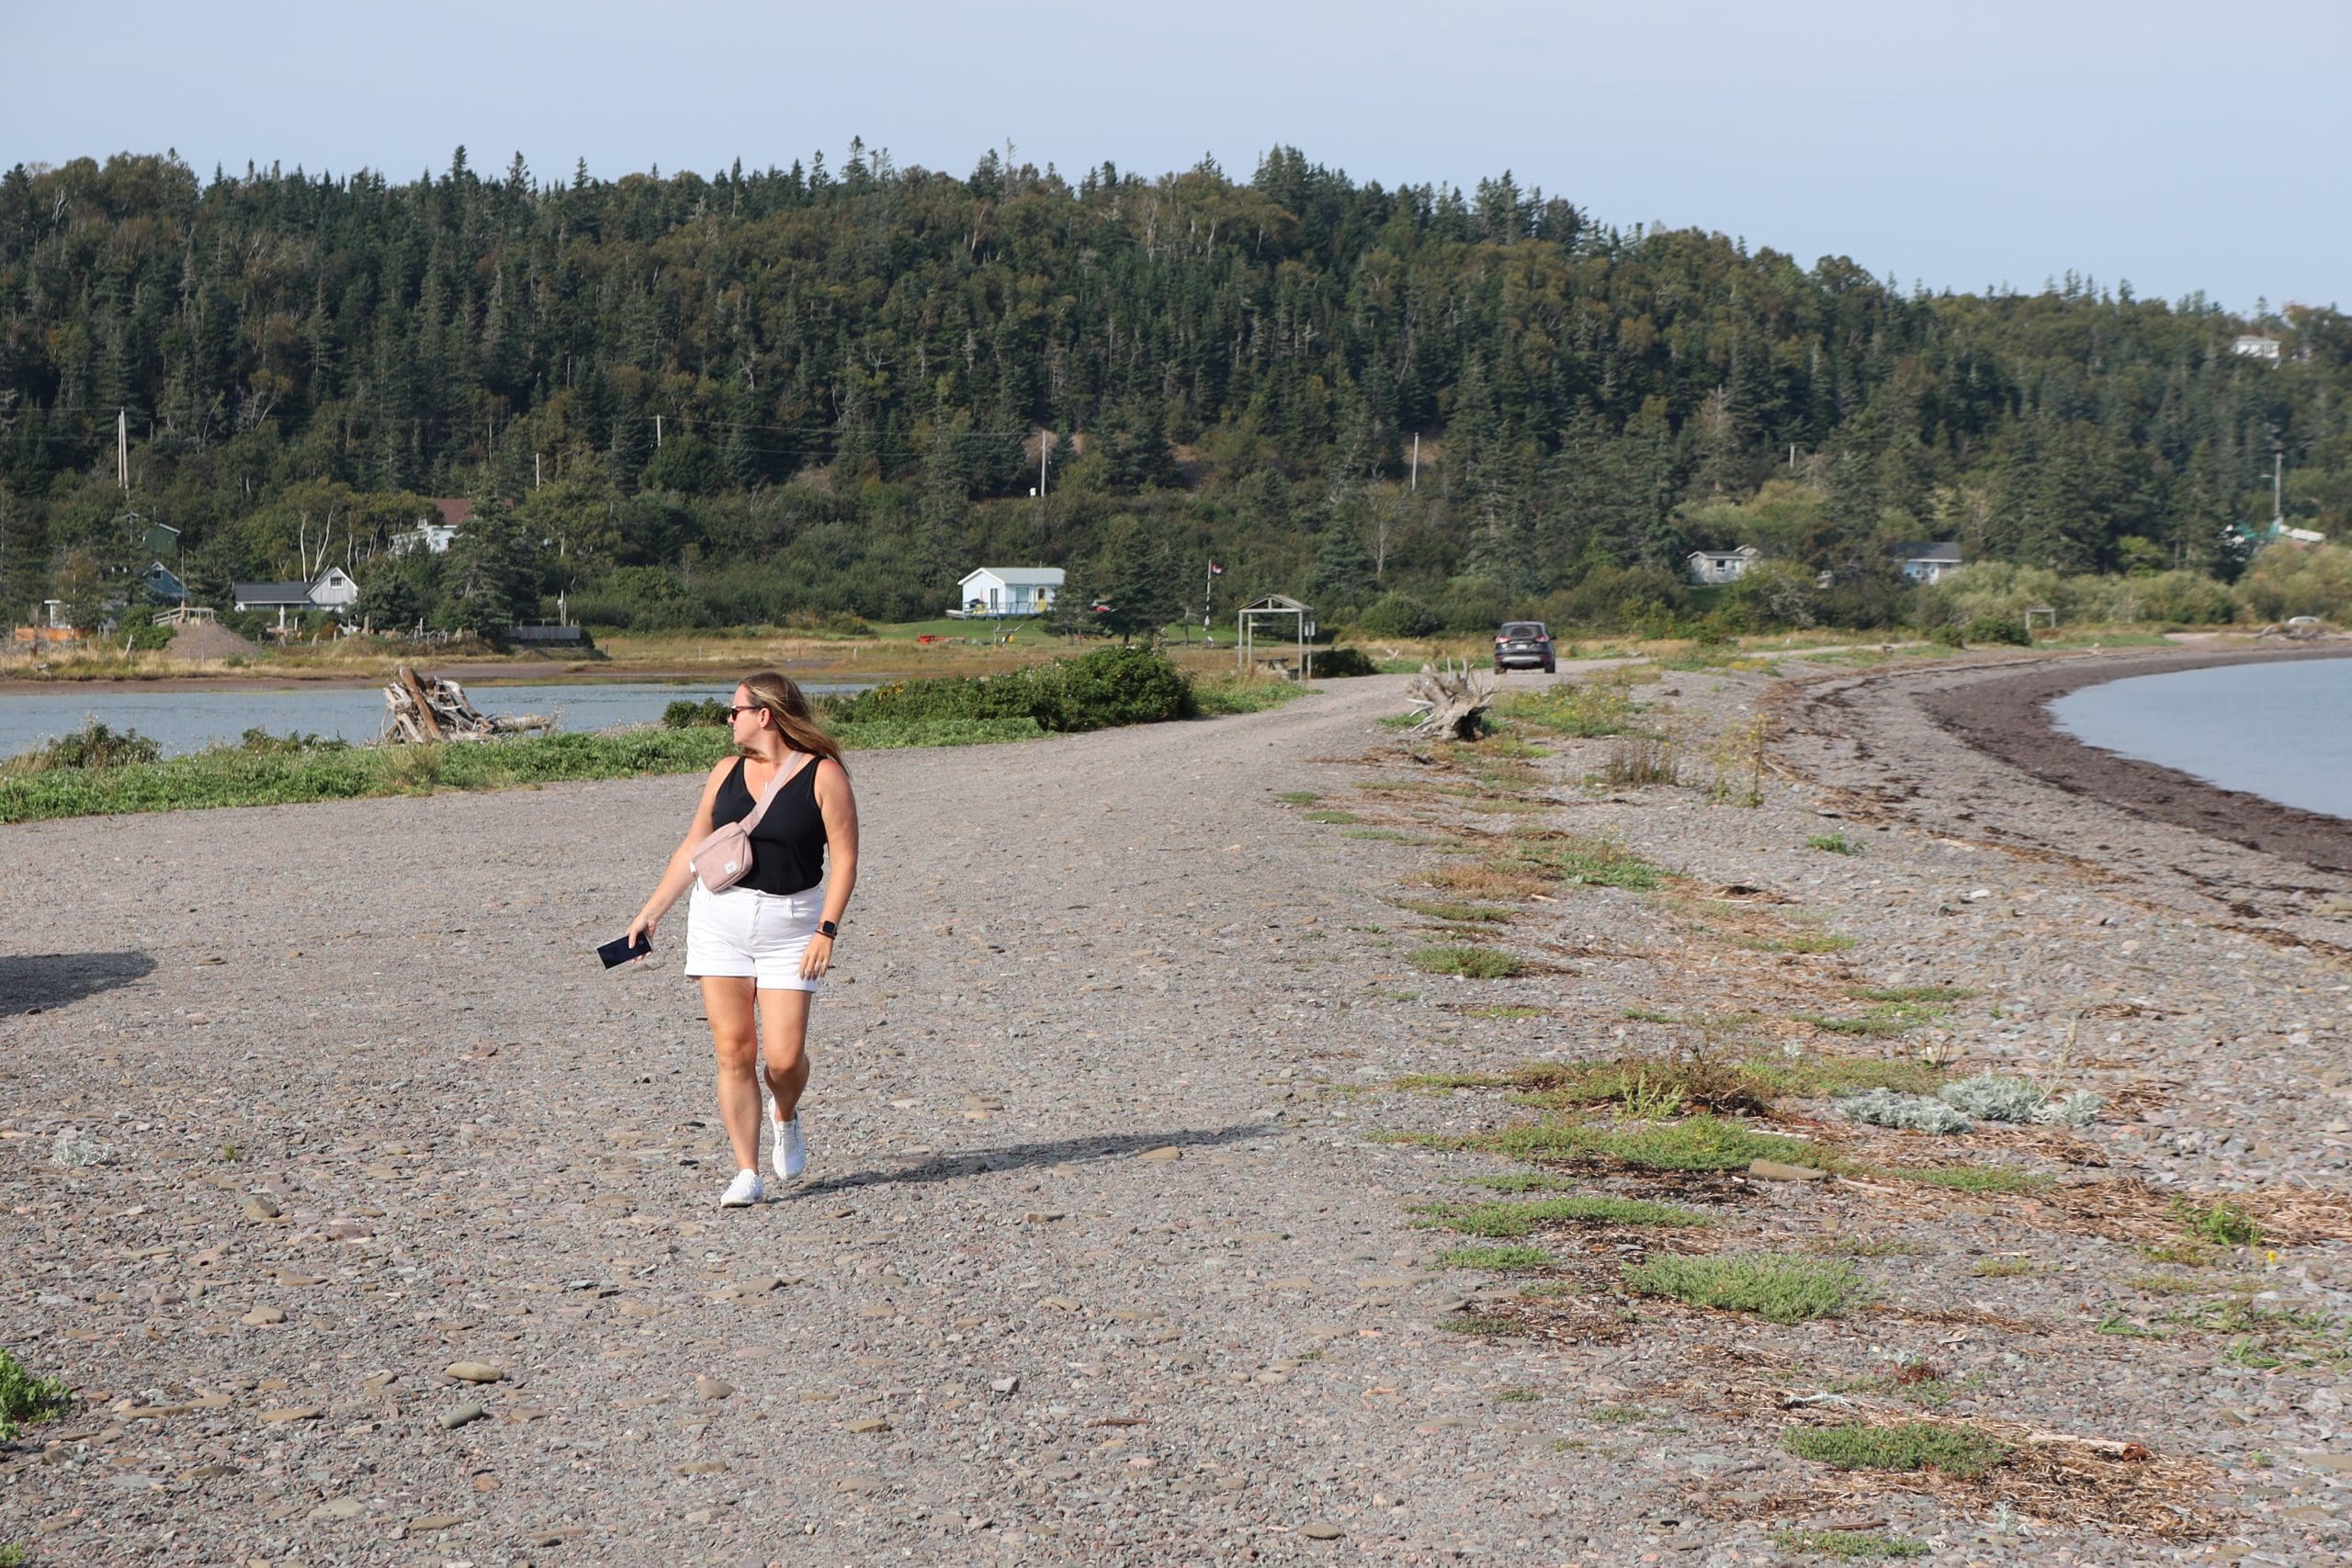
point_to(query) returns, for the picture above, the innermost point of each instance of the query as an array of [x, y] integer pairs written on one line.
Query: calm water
[[188, 721], [2283, 731]]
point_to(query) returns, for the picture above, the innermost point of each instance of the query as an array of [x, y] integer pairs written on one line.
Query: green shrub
[[1775, 1287], [1340, 663], [1948, 636], [2000, 629], [23, 1398], [259, 742], [689, 714], [1833, 843], [1962, 1453], [92, 746], [1113, 686], [1099, 690], [1398, 616]]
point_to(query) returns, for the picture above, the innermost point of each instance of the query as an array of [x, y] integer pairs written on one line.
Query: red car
[[1525, 644]]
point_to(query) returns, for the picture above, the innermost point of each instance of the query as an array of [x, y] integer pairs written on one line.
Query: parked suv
[[1523, 643]]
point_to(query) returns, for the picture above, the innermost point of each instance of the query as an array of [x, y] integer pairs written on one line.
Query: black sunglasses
[[735, 708]]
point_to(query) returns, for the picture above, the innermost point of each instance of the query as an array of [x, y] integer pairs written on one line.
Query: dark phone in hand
[[619, 951]]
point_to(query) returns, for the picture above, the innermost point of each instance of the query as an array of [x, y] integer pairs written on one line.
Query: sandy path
[[1063, 956]]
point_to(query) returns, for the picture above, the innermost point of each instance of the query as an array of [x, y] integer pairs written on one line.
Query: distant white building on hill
[[1007, 591], [2254, 345]]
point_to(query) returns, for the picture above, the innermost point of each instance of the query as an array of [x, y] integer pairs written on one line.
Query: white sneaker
[[791, 1149], [741, 1192]]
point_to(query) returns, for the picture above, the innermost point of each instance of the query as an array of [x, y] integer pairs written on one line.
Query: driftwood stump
[[1451, 699], [420, 710]]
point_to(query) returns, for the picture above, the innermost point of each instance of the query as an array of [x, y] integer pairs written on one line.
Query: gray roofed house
[[1929, 562]]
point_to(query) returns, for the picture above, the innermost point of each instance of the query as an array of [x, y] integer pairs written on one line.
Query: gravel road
[[1096, 1262]]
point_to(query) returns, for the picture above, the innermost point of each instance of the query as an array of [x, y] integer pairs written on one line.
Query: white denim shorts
[[757, 935]]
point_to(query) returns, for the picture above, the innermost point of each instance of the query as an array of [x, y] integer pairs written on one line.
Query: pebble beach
[[372, 1221]]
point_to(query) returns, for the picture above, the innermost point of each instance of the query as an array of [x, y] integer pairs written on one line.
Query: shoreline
[[2009, 720], [548, 674]]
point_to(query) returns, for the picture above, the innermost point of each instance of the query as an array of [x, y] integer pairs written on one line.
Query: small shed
[[1713, 567], [1007, 590]]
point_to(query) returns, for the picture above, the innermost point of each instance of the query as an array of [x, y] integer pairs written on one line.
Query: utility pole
[[535, 479], [1793, 454], [657, 432], [1415, 482], [2278, 488], [122, 449], [1044, 445]]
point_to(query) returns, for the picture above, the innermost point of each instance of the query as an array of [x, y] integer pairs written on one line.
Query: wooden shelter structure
[[1273, 606]]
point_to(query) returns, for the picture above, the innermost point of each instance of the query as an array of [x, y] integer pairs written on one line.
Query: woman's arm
[[839, 807], [678, 875]]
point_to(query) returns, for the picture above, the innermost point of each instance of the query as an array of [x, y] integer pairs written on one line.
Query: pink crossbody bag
[[724, 859]]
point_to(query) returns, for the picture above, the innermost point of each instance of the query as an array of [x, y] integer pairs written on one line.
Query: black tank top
[[788, 845]]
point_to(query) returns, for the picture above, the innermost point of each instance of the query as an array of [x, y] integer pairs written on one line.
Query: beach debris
[[74, 1148], [1451, 699], [428, 708], [1911, 1112]]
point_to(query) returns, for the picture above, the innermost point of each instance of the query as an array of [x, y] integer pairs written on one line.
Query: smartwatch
[[828, 929]]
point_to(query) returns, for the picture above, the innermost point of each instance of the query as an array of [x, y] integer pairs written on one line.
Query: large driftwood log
[[1451, 699], [430, 708]]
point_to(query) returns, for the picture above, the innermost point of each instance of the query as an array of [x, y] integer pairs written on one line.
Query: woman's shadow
[[39, 982]]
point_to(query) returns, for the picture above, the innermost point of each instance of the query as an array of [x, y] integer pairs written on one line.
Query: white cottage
[[1007, 591]]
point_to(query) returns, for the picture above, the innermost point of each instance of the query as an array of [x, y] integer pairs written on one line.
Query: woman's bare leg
[[784, 1032], [727, 1002]]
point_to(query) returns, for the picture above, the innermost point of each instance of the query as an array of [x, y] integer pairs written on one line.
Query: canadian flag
[[1216, 570]]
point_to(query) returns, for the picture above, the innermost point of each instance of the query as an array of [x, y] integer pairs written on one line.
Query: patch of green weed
[[23, 1398], [1851, 1544], [1779, 1287], [1471, 962], [1522, 1219], [1962, 1453], [2222, 1222], [1501, 1259]]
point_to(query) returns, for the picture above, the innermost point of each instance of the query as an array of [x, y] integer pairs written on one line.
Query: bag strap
[[767, 796]]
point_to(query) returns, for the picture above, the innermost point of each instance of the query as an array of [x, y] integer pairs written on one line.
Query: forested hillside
[[685, 399]]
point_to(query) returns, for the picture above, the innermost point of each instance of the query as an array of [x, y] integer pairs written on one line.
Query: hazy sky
[[2178, 146]]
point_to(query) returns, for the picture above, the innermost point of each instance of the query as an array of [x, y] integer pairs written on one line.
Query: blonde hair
[[787, 705]]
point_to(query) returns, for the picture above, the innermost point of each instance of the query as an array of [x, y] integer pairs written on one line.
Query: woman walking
[[760, 945]]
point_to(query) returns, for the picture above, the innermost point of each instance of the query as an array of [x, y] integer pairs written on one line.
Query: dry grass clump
[[1500, 881], [1636, 761]]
